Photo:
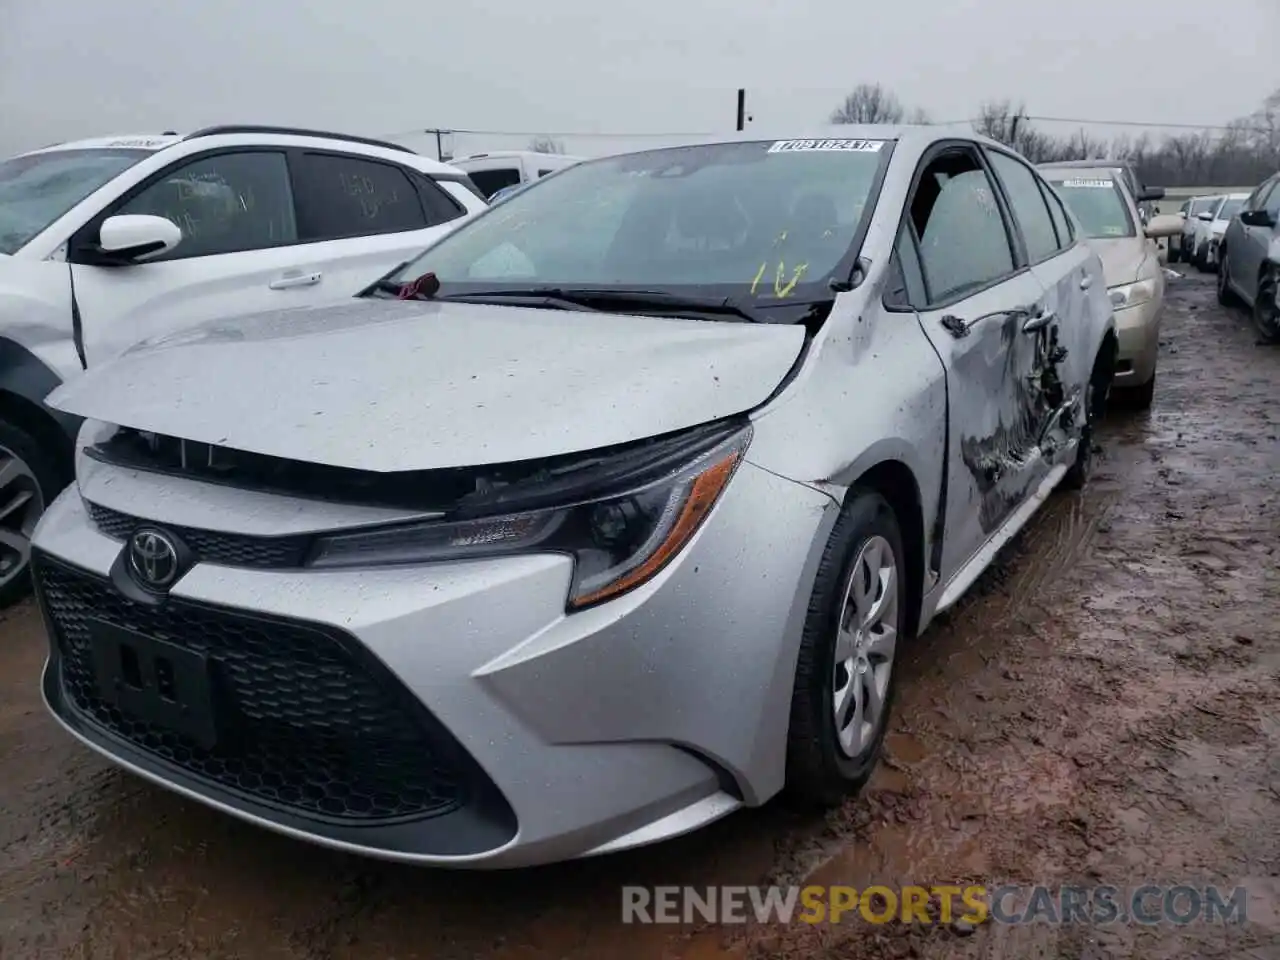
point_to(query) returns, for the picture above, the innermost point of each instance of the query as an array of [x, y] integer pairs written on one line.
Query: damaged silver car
[[604, 517]]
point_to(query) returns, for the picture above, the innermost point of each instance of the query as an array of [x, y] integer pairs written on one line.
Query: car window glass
[[491, 181], [438, 204], [225, 203], [1271, 201], [344, 196], [1098, 203], [1029, 206], [909, 264], [1229, 209], [1061, 221], [963, 240], [543, 173]]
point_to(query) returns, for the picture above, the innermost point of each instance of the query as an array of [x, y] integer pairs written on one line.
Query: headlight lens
[[618, 542], [1132, 294]]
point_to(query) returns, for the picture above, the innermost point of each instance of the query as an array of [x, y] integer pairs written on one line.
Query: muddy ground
[[1104, 709]]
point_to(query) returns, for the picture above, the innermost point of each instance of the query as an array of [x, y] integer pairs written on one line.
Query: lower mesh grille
[[306, 721]]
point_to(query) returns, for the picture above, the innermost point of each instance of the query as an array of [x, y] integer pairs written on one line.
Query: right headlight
[[618, 540]]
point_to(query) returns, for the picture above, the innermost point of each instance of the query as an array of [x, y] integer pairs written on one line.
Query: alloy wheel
[[1266, 312], [865, 646], [21, 505]]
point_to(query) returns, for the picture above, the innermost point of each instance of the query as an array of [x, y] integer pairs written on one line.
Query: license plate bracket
[[155, 681]]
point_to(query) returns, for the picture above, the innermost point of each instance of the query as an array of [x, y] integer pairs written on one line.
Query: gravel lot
[[1104, 708]]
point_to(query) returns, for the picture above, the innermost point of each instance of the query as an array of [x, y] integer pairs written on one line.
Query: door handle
[[1039, 321], [1086, 282], [289, 281]]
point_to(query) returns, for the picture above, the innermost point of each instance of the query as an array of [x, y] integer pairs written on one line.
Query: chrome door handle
[[289, 281], [1086, 282], [1039, 322]]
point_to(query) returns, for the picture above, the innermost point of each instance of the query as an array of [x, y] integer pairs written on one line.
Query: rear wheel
[[845, 672], [28, 482], [1266, 314]]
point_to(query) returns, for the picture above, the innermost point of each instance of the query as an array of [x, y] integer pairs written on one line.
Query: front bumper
[[1138, 333], [452, 713]]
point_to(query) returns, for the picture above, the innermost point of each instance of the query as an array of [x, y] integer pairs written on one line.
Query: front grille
[[210, 546], [306, 720]]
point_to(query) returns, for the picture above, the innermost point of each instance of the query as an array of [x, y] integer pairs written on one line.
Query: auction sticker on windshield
[[1097, 184], [854, 146]]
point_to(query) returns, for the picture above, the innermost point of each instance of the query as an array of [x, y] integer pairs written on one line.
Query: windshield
[[37, 189], [1229, 209], [759, 222], [1099, 206], [1203, 205]]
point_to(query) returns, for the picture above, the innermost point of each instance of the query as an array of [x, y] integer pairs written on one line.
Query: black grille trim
[[311, 708], [212, 546]]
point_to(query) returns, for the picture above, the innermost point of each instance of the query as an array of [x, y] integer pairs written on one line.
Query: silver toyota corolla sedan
[[604, 517]]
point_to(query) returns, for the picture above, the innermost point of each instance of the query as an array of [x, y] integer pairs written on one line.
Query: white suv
[[104, 243]]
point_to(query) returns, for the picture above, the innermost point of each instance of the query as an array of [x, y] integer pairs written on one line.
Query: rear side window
[[1029, 206], [491, 181], [543, 173], [225, 203], [1061, 221], [343, 196]]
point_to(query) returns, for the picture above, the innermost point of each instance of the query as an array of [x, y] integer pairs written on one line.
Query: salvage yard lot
[[1105, 708]]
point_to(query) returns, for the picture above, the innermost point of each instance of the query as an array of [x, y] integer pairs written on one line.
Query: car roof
[[242, 135]]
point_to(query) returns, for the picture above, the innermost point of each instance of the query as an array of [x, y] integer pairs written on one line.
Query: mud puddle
[[1101, 709]]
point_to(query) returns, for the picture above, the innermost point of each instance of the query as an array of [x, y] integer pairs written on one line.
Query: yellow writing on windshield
[[781, 286]]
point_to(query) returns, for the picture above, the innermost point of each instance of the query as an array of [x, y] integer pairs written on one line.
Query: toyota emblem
[[153, 558]]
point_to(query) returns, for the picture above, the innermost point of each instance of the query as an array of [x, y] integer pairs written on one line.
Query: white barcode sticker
[[834, 146], [1095, 184]]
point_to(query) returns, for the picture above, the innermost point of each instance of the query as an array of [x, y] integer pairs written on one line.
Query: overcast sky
[[79, 68]]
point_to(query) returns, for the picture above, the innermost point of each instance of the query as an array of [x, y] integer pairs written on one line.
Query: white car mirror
[[130, 238]]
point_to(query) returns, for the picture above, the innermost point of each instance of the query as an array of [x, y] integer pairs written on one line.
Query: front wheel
[[845, 671], [1266, 312], [28, 482], [1226, 296]]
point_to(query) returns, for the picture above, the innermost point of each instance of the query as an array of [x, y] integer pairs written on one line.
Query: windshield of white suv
[[38, 188], [1202, 205], [1098, 204], [764, 223]]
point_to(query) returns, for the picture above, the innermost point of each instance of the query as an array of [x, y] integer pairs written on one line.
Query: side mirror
[[134, 237], [1257, 218], [1151, 193], [1206, 216], [1182, 214], [1163, 225]]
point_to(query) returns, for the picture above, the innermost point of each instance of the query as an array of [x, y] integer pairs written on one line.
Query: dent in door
[[1026, 392]]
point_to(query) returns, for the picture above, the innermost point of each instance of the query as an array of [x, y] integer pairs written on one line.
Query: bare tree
[[869, 103], [546, 145]]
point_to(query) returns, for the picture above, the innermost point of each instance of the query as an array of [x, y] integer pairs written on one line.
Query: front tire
[[845, 672], [1226, 296], [1266, 315], [28, 483]]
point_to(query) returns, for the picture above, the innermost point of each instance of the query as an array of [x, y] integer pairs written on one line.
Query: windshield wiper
[[647, 301]]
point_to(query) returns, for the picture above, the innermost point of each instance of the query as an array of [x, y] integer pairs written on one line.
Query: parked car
[[497, 169], [1134, 277], [1144, 196], [1249, 258], [1215, 227], [106, 242], [1190, 216], [460, 591]]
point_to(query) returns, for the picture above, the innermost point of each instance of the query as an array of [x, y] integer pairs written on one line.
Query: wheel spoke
[[881, 644], [888, 587], [872, 701], [11, 468], [846, 643], [15, 503], [15, 553]]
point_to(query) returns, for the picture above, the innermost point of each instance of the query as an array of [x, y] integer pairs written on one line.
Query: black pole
[[742, 109], [1013, 130], [439, 146]]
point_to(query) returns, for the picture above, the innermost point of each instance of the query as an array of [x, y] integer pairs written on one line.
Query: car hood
[[386, 385], [1121, 258]]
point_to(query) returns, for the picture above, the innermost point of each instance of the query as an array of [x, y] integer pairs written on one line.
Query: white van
[[490, 172]]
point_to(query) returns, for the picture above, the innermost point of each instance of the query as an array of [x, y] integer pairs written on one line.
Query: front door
[[984, 318]]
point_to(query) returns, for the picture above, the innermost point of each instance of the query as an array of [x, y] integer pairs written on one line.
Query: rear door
[[979, 293], [1074, 285]]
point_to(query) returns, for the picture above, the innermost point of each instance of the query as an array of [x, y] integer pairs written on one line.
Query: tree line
[[1244, 152]]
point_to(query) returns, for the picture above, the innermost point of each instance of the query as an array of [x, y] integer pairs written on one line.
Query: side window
[[1061, 221], [1271, 202], [225, 203], [543, 173], [491, 181], [344, 196], [964, 243], [910, 276], [439, 206], [1029, 206]]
